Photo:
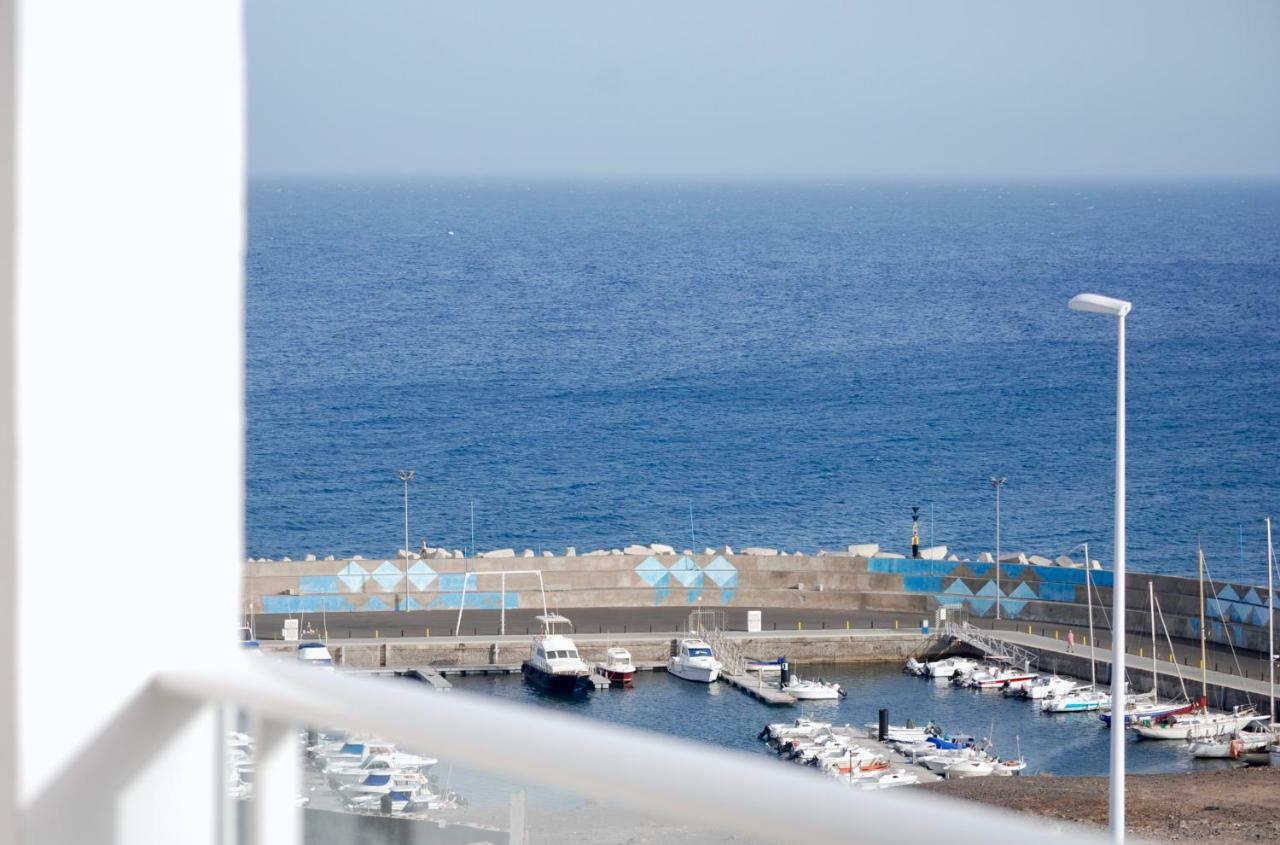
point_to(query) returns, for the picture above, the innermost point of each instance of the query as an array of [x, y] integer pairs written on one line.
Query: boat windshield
[[554, 655], [699, 652]]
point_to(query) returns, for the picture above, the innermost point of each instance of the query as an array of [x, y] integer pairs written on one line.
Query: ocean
[[794, 366]]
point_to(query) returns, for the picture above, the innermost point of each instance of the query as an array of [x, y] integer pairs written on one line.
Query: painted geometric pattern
[[383, 582], [685, 572], [973, 585], [1250, 609]]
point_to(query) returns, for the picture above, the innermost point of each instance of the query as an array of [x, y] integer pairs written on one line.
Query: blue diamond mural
[[1022, 591], [375, 603], [387, 575], [721, 572], [651, 572], [353, 576], [421, 575], [686, 572], [1228, 593], [958, 588], [988, 589]]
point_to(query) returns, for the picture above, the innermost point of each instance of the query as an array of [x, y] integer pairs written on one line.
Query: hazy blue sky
[[981, 89]]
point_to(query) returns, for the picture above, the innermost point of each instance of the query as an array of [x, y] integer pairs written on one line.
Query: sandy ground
[[1226, 807]]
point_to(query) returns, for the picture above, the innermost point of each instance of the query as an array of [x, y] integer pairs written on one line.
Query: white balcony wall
[[128, 288]]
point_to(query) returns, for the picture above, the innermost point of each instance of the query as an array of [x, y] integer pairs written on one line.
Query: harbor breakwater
[[1236, 613]]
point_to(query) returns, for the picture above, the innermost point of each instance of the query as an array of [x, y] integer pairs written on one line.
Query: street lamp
[[997, 481], [406, 475], [1118, 308]]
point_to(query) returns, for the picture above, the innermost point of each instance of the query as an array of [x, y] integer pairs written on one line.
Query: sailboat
[[1082, 699], [1152, 709]]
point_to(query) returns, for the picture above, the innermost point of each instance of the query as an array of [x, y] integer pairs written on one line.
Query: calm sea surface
[[801, 364]]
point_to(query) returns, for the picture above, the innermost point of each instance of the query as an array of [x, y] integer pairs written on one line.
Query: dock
[[756, 688]]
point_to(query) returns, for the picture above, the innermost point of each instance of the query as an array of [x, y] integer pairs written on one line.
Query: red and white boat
[[617, 667], [999, 678]]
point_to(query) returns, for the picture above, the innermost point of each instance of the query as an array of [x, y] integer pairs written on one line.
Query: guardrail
[[678, 780], [991, 646]]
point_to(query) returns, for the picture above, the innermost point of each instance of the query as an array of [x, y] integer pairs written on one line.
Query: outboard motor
[[785, 670]]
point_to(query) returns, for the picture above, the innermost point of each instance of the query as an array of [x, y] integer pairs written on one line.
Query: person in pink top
[[1071, 641]]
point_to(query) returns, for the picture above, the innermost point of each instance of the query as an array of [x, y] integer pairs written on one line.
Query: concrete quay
[[444, 654]]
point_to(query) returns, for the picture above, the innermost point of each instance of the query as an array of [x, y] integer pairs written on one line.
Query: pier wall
[[446, 652], [1237, 612]]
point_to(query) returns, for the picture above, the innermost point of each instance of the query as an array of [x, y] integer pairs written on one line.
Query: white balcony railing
[[678, 780]]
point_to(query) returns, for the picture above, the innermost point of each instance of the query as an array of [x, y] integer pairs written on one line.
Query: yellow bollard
[[1028, 629], [428, 632], [895, 624], [375, 633], [1055, 633], [1139, 651], [1086, 639], [846, 624], [1201, 662], [799, 626]]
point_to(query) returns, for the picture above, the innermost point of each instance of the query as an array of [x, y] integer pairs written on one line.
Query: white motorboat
[[973, 768], [802, 727], [554, 665], [915, 667], [812, 690], [891, 780], [1077, 701], [1010, 767], [898, 733], [694, 661], [948, 667], [315, 654], [1047, 687]]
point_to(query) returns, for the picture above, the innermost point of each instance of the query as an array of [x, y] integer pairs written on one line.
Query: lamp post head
[[998, 480], [406, 475], [1096, 303]]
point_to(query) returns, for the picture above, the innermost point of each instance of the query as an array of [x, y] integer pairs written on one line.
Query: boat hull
[[697, 674], [618, 678], [556, 684]]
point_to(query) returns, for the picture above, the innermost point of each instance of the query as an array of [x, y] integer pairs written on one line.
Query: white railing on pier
[[731, 791], [991, 646]]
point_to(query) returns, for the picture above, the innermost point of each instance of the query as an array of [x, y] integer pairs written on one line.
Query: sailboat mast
[[1271, 628], [1155, 666], [1204, 659], [1088, 586]]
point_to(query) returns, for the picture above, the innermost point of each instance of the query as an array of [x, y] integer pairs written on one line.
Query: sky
[[975, 90]]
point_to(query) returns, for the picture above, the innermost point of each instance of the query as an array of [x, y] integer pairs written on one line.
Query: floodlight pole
[[1115, 308], [406, 475], [997, 481]]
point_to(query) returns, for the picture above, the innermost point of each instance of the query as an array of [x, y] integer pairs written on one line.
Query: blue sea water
[[800, 363]]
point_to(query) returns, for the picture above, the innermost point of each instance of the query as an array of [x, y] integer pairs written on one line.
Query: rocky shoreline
[[1227, 807]]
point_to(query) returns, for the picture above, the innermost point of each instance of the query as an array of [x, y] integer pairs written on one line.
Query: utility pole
[[997, 481], [406, 475]]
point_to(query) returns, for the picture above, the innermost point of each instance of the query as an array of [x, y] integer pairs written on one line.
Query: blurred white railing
[[679, 780]]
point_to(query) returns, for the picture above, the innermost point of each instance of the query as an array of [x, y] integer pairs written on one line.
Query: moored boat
[[617, 667], [694, 661], [554, 665]]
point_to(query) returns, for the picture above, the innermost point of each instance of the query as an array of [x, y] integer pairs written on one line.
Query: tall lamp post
[[997, 481], [1118, 308], [406, 475]]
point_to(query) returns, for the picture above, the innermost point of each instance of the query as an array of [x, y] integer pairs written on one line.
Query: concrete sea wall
[[1236, 612]]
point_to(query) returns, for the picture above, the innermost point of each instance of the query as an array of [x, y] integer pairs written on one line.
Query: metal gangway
[[993, 647], [710, 625]]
